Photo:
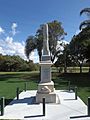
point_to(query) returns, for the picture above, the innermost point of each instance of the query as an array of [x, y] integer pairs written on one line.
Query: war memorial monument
[[46, 86]]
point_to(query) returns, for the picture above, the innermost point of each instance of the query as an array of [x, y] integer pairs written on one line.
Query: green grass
[[9, 81], [82, 81]]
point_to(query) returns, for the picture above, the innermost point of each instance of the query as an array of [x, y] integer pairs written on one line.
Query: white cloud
[[59, 46], [10, 47], [34, 56], [13, 27], [1, 30], [2, 51], [9, 40]]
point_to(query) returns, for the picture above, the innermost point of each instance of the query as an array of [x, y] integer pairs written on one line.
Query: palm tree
[[34, 42], [39, 42], [30, 45], [85, 23]]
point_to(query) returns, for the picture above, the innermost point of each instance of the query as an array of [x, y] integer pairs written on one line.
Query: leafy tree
[[87, 54], [39, 42], [77, 51], [1, 62], [64, 58], [15, 63], [79, 47], [55, 33], [67, 57], [86, 35]]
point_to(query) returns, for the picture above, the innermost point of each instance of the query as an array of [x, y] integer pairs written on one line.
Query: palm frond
[[84, 23], [30, 45], [85, 10]]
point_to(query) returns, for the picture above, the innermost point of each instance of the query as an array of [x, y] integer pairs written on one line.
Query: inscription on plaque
[[45, 76]]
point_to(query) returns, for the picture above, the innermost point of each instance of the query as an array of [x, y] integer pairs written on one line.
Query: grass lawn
[[9, 81], [82, 81]]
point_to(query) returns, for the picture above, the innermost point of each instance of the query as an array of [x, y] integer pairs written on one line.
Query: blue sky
[[21, 18]]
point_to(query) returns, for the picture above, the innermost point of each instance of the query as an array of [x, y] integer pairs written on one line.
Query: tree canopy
[[56, 33], [15, 63]]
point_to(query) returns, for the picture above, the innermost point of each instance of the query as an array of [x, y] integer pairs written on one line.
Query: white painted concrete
[[25, 108]]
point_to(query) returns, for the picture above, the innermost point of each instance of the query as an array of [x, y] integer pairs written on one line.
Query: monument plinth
[[46, 86]]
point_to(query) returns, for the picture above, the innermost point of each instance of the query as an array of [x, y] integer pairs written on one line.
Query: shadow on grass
[[22, 81], [80, 80], [88, 89], [24, 76]]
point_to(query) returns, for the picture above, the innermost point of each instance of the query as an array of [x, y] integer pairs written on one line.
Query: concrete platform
[[26, 108]]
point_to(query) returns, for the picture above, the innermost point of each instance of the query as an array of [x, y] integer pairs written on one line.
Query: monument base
[[47, 91], [49, 98]]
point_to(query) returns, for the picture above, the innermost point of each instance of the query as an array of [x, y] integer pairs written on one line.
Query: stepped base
[[47, 91]]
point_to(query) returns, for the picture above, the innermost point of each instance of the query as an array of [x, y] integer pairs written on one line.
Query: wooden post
[[75, 92], [25, 86], [2, 105], [43, 101], [69, 85], [17, 93], [88, 106]]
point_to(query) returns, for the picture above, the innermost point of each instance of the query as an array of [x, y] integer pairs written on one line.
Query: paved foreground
[[25, 108]]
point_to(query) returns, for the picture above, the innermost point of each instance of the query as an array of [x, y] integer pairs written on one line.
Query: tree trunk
[[40, 69], [65, 69], [65, 66], [89, 68], [80, 68], [65, 63]]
